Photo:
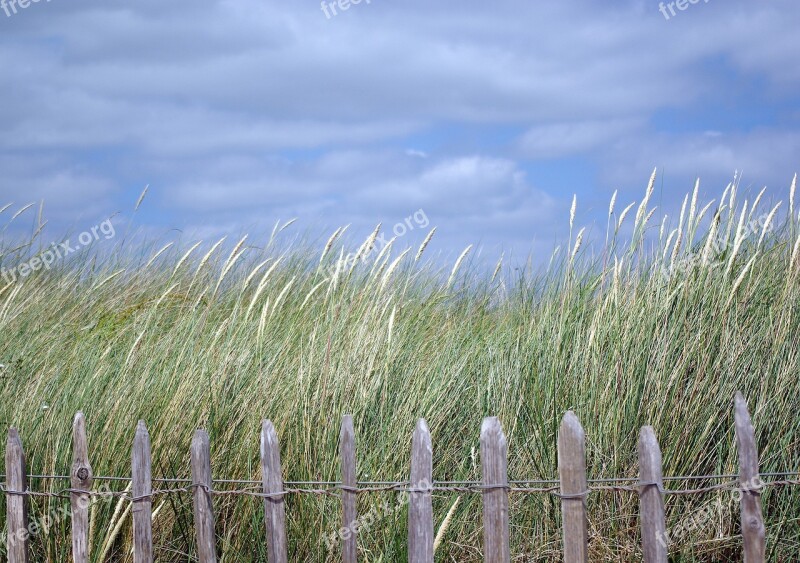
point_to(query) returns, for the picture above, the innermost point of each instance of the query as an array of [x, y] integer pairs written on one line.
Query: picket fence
[[572, 491]]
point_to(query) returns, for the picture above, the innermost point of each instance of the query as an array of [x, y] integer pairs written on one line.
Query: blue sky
[[487, 116]]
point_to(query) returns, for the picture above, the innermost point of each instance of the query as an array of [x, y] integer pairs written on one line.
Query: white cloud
[[569, 138], [242, 110]]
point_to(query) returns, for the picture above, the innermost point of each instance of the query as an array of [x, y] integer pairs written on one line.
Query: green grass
[[200, 342]]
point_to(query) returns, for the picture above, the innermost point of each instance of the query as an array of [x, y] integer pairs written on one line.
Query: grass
[[660, 326]]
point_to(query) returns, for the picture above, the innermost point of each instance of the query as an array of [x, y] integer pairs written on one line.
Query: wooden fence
[[572, 490]]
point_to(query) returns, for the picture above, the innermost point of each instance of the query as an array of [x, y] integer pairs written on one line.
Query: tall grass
[[660, 326]]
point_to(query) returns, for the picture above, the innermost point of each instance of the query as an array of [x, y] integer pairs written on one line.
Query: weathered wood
[[420, 510], [651, 498], [16, 504], [274, 511], [753, 530], [347, 453], [494, 463], [572, 473], [81, 479], [203, 504], [143, 502]]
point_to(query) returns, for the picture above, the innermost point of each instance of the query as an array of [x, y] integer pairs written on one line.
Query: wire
[[392, 485], [403, 486]]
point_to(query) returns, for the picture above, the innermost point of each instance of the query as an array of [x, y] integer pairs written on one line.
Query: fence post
[[494, 463], [272, 478], [651, 498], [420, 510], [753, 530], [143, 503], [81, 479], [203, 504], [347, 452], [16, 504], [572, 473]]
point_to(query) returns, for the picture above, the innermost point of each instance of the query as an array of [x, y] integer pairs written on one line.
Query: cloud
[[563, 139], [70, 191], [471, 198], [765, 156], [241, 111]]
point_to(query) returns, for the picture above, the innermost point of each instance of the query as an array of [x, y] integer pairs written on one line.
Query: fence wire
[[598, 480], [334, 488]]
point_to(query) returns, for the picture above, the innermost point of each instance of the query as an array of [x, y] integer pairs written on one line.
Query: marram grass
[[658, 330]]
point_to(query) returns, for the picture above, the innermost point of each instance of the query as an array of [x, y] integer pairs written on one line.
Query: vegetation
[[660, 326]]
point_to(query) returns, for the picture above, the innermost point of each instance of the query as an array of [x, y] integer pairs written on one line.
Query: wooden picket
[[274, 505], [141, 473], [753, 531], [420, 509], [651, 498], [494, 490], [203, 504], [16, 502], [347, 452], [572, 474], [494, 462], [81, 480]]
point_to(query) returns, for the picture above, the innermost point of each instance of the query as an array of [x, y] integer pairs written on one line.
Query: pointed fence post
[[651, 498], [572, 473], [494, 463], [753, 530], [420, 510], [347, 453], [16, 504], [203, 504], [274, 506], [81, 479], [142, 491]]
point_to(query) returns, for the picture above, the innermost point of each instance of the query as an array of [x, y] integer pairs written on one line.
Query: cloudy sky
[[488, 116]]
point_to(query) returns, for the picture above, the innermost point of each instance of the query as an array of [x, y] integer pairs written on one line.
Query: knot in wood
[[83, 474]]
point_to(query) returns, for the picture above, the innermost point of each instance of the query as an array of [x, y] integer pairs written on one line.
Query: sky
[[480, 118]]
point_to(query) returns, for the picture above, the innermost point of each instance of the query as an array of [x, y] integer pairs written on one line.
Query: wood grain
[[16, 505], [347, 453], [81, 479], [420, 510], [753, 530], [651, 498], [203, 504], [572, 472], [274, 507], [494, 464], [142, 487]]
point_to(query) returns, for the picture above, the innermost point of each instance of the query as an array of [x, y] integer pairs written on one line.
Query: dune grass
[[660, 326]]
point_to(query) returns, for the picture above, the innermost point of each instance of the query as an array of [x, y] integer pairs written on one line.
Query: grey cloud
[[245, 110]]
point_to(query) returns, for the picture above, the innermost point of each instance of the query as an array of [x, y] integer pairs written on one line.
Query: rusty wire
[[403, 487]]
